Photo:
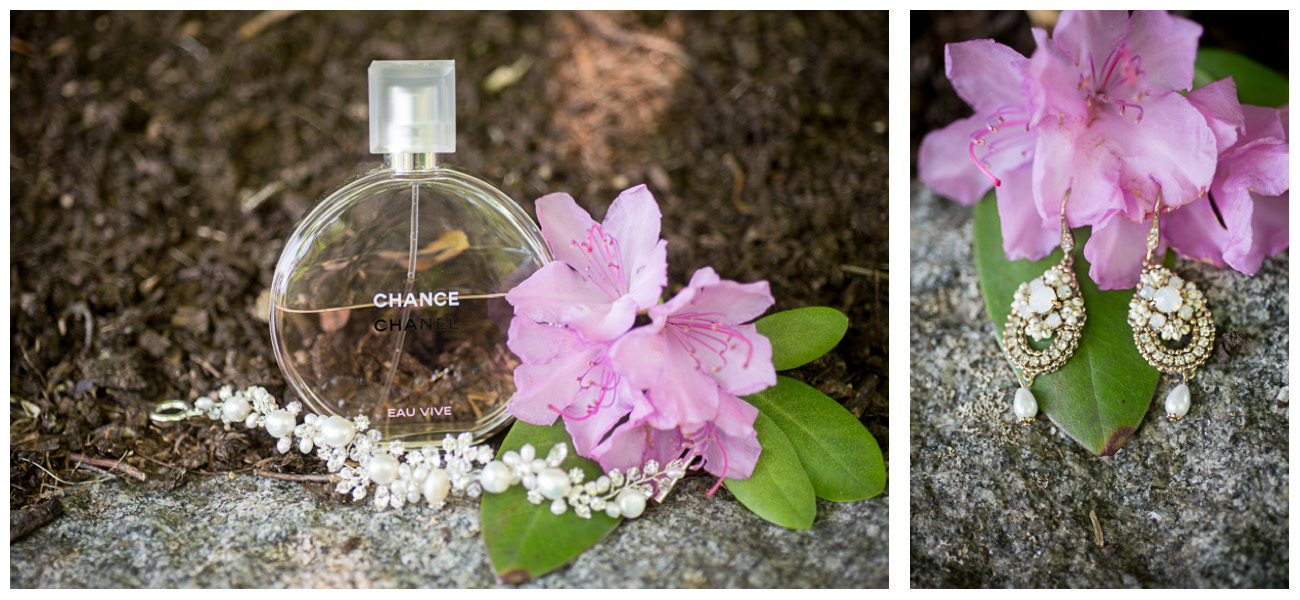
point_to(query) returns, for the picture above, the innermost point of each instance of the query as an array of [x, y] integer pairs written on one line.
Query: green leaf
[[801, 335], [779, 490], [524, 540], [1256, 83], [842, 459], [1101, 394]]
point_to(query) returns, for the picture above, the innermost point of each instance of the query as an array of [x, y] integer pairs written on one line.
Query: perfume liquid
[[388, 300]]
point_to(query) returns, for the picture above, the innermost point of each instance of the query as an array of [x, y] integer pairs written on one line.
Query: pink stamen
[[976, 139], [725, 461]]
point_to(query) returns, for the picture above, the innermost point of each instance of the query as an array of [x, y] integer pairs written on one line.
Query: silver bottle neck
[[405, 162]]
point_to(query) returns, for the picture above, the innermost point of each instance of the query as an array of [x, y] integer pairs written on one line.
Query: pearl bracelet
[[358, 458]]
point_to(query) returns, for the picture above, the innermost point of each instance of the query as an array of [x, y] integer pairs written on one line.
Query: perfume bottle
[[388, 300]]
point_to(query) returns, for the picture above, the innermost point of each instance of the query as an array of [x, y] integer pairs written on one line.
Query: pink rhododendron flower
[[602, 273], [1097, 113], [1244, 218], [661, 391]]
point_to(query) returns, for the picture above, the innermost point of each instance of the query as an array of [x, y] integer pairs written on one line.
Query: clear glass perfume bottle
[[388, 300]]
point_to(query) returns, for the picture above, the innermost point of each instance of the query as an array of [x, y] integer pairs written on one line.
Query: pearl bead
[[558, 507], [338, 431], [420, 473], [553, 483], [279, 423], [1178, 402], [284, 444], [613, 511], [383, 469], [404, 471], [235, 409], [203, 403], [436, 486], [538, 465], [495, 477], [1025, 405], [631, 503], [305, 445], [398, 488]]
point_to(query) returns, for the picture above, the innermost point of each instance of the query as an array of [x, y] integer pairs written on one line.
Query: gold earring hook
[[1067, 239], [1153, 236]]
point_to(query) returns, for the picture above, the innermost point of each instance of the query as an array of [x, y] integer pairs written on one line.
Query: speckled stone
[[250, 532], [1200, 503]]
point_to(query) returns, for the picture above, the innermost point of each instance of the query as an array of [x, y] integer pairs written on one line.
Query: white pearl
[[412, 495], [382, 468], [235, 409], [404, 471], [495, 477], [251, 421], [305, 445], [538, 465], [279, 423], [527, 453], [337, 431], [1025, 405], [613, 510], [398, 488], [553, 483], [631, 503], [420, 473], [436, 486], [284, 444], [203, 403], [1178, 401], [558, 506]]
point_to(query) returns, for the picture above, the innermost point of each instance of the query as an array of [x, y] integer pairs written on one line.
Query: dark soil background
[[159, 161], [1262, 36]]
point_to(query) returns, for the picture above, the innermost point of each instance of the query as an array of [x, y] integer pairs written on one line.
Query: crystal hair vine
[[358, 458]]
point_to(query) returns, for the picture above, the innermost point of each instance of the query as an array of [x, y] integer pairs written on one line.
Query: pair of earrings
[[1164, 307]]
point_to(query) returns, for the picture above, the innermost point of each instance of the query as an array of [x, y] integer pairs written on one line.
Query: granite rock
[[242, 531], [1199, 503]]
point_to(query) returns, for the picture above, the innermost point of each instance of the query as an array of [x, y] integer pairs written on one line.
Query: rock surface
[[250, 532], [1199, 503]]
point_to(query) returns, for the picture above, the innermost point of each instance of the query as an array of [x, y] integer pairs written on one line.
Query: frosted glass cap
[[412, 106]]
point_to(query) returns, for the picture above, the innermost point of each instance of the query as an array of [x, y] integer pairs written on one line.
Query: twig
[[263, 20], [1096, 528], [109, 463], [33, 517], [877, 273], [294, 477]]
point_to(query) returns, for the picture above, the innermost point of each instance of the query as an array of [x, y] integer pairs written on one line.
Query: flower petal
[[984, 73], [684, 396], [588, 432], [565, 226], [1217, 102], [639, 355], [944, 162], [1024, 234], [1116, 251], [1051, 86], [1088, 36], [633, 219], [542, 389], [1195, 232], [1167, 45], [732, 302], [557, 294], [1171, 152], [538, 343], [1084, 168], [648, 276]]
